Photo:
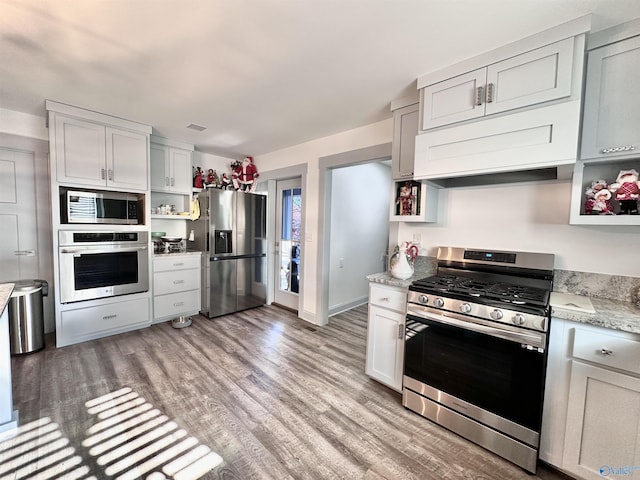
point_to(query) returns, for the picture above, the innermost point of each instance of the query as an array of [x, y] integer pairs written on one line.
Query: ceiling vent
[[198, 128]]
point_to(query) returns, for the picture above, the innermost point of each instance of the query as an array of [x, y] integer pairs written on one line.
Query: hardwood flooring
[[255, 395]]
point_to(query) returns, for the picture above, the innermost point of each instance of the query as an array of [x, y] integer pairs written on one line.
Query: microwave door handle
[[534, 339]]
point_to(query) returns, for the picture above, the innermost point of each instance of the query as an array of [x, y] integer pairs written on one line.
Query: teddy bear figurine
[[627, 190], [599, 204]]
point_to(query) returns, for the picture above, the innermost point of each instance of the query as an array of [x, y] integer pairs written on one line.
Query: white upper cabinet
[[405, 129], [611, 122], [92, 150], [541, 75], [170, 166], [514, 109]]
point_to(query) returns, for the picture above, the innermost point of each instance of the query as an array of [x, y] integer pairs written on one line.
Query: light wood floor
[[258, 395]]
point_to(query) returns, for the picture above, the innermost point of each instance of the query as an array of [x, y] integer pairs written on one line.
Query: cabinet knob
[[606, 351]]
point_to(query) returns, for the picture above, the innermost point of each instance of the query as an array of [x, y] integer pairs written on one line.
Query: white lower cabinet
[[385, 334], [176, 286], [591, 420], [87, 323], [603, 422]]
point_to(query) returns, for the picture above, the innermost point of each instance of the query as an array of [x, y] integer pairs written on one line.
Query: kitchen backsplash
[[613, 287]]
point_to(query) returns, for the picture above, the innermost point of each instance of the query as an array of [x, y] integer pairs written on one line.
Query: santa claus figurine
[[627, 190], [599, 204], [245, 175]]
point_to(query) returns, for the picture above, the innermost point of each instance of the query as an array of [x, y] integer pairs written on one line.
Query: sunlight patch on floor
[[131, 440]]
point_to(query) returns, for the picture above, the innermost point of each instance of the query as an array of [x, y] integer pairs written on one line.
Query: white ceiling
[[259, 74]]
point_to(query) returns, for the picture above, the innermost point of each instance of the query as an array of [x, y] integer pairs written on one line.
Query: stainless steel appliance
[[232, 233], [102, 264], [114, 208], [475, 348]]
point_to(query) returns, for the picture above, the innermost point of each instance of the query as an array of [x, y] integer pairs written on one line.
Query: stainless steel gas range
[[476, 348]]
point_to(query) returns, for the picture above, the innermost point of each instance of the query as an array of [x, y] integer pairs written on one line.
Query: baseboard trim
[[343, 307]]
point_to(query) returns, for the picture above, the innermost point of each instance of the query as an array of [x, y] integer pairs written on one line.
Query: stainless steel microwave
[[114, 208]]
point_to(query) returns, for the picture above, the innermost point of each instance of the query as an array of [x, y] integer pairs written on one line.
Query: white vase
[[400, 266]]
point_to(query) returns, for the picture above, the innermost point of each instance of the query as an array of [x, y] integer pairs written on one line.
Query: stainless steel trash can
[[26, 317]]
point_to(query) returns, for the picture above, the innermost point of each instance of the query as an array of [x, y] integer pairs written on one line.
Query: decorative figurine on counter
[[212, 178], [198, 181], [244, 175], [599, 204], [627, 190]]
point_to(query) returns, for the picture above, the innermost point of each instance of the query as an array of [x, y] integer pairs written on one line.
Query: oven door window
[[495, 374], [105, 269]]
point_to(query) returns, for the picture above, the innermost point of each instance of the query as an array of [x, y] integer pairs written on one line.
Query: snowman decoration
[[627, 191]]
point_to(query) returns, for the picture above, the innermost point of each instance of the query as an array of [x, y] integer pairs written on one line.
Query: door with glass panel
[[288, 243]]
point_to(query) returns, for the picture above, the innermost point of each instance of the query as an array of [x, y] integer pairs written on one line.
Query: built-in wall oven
[[475, 348], [102, 264]]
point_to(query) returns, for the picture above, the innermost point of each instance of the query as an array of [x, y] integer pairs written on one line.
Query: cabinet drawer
[[176, 304], [607, 350], [91, 321], [175, 281], [178, 262], [394, 298]]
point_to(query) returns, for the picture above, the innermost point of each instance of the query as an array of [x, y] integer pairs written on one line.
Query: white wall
[[359, 231], [529, 217]]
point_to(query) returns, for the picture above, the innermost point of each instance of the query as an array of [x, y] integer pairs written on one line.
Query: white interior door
[[18, 220], [288, 242]]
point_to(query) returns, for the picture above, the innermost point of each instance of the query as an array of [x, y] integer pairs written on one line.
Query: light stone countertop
[[614, 314], [5, 295], [609, 313], [173, 254]]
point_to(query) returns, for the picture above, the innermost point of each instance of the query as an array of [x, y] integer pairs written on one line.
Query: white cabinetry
[[91, 154], [385, 334], [516, 108], [611, 119], [176, 286], [405, 129], [170, 166], [87, 320], [541, 75], [591, 419], [611, 122]]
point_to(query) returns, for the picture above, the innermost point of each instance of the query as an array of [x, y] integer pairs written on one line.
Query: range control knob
[[423, 299], [465, 308], [496, 314], [518, 319], [438, 302]]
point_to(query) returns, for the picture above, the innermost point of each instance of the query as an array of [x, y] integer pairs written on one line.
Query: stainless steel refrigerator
[[232, 233]]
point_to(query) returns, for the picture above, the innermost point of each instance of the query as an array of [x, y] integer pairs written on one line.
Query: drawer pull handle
[[606, 351], [176, 282], [624, 148], [109, 317], [401, 331], [178, 304], [384, 299], [178, 264]]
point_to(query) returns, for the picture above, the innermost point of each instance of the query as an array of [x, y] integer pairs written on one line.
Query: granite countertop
[[609, 313], [5, 295], [614, 314]]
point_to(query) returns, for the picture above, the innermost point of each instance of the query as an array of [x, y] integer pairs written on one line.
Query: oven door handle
[[532, 339], [102, 250]]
